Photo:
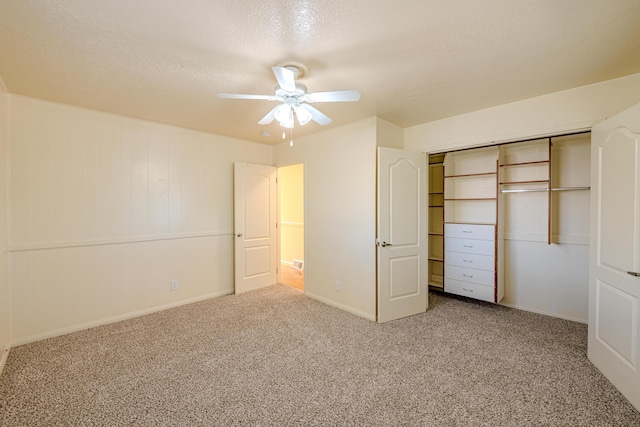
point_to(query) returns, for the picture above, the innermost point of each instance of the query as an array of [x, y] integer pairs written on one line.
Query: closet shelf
[[471, 174], [470, 199], [431, 233], [539, 162], [437, 283], [436, 258], [539, 181], [470, 223]]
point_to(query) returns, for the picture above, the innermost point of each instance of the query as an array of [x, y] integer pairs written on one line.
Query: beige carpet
[[276, 357]]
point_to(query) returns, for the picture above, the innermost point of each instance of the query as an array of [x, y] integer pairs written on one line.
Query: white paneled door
[[401, 234], [614, 280], [255, 226]]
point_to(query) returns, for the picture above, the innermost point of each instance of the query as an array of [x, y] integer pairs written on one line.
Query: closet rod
[[570, 188], [525, 190], [538, 190]]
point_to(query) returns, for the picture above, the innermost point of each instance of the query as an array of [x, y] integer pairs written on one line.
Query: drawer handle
[[467, 290], [470, 276], [468, 246], [467, 260], [467, 231]]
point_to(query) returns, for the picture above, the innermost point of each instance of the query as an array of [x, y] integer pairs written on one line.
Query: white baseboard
[[118, 318], [546, 313], [343, 307], [3, 358]]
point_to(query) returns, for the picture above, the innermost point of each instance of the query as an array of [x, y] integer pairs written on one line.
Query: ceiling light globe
[[284, 115], [303, 115]]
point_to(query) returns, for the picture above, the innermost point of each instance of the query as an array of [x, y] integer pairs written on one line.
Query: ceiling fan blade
[[268, 118], [286, 78], [333, 96], [316, 115], [242, 96]]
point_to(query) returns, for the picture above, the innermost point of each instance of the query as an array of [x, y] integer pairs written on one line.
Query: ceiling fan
[[295, 99]]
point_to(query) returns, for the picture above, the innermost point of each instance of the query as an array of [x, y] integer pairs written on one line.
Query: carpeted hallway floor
[[276, 357]]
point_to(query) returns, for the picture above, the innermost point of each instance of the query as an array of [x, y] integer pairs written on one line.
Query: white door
[[401, 234], [255, 226], [614, 285]]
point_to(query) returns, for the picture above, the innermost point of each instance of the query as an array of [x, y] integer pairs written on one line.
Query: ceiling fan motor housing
[[292, 97]]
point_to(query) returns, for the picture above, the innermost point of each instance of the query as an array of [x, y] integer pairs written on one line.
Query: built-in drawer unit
[[471, 290], [468, 246], [472, 275], [470, 266], [470, 231], [481, 262]]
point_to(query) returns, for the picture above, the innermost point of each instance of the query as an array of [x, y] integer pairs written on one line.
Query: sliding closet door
[[614, 283]]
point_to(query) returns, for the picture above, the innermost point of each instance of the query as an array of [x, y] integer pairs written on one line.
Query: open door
[[614, 282], [401, 234], [255, 223]]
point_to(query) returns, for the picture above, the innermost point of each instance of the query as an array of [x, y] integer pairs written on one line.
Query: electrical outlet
[[174, 285], [338, 286]]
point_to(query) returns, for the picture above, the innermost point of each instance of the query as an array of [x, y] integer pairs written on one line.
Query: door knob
[[239, 235], [385, 244]]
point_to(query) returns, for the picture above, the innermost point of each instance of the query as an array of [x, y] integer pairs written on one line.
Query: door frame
[[279, 213]]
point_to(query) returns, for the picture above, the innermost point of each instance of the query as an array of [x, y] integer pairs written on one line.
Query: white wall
[[5, 307], [389, 135], [340, 213], [106, 210], [560, 112]]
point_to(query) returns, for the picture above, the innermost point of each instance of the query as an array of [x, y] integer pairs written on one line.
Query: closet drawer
[[470, 231], [468, 246], [481, 262], [471, 290], [481, 277]]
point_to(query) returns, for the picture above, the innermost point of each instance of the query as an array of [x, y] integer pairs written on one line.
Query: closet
[[509, 223]]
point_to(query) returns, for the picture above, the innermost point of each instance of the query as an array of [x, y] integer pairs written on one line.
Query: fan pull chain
[[292, 125]]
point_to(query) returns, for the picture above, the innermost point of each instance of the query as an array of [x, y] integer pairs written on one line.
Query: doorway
[[291, 205]]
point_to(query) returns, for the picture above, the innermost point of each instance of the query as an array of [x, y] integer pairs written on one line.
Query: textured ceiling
[[413, 61]]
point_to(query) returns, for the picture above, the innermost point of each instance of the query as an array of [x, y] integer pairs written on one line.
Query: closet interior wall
[[543, 199]]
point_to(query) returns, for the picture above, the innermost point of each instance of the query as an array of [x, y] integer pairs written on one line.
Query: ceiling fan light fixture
[[284, 115], [303, 115], [295, 98]]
